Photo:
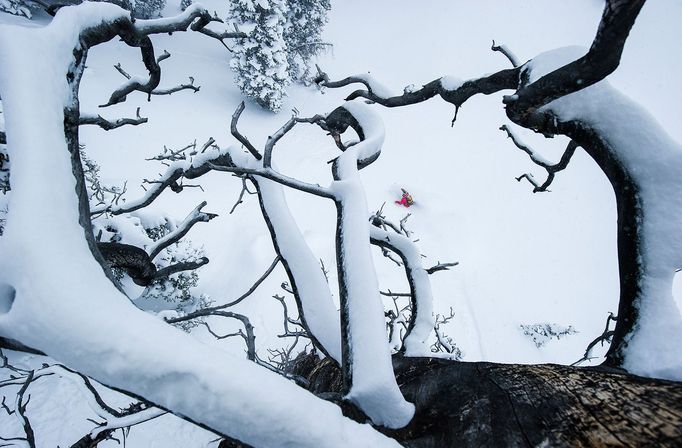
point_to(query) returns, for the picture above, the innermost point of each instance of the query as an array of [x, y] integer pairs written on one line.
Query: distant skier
[[406, 200]]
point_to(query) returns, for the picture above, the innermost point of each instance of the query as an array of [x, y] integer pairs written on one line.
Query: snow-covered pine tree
[[260, 60], [147, 9], [303, 34], [16, 7]]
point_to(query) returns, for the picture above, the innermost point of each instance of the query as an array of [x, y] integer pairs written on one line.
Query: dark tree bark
[[479, 404]]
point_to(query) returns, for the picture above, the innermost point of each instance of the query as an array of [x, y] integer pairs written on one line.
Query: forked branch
[[551, 168]]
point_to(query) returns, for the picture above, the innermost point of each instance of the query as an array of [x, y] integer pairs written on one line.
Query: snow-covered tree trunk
[[643, 165], [55, 297], [311, 290], [368, 372]]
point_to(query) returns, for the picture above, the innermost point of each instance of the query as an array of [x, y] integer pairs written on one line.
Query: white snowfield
[[65, 306]]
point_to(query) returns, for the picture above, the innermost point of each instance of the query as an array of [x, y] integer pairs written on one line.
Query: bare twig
[[604, 337], [288, 320], [212, 310], [172, 179], [245, 189], [20, 411], [269, 173], [551, 168], [441, 267], [222, 35], [235, 132]]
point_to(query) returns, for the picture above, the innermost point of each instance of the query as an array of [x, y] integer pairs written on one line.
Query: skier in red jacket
[[406, 200]]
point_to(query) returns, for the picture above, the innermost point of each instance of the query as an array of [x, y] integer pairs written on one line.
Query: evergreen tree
[[147, 9], [305, 22], [16, 7], [260, 60]]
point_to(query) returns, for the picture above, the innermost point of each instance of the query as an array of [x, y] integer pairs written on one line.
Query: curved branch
[[108, 125], [178, 88], [507, 53], [551, 168], [421, 321], [235, 132], [314, 189], [135, 261], [601, 60], [450, 90], [212, 310]]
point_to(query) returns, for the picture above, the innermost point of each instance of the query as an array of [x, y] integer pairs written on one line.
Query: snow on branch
[[536, 158], [421, 321], [451, 90], [223, 34], [149, 86], [601, 60], [441, 267], [176, 235], [507, 53], [108, 125], [181, 167]]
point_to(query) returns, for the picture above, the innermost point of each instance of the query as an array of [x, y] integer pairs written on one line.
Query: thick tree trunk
[[507, 405], [630, 240]]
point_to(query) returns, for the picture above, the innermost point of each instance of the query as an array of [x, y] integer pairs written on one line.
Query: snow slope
[[524, 258]]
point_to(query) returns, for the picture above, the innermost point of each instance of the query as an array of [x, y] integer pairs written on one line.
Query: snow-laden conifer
[[15, 7], [303, 34], [147, 9], [260, 60]]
